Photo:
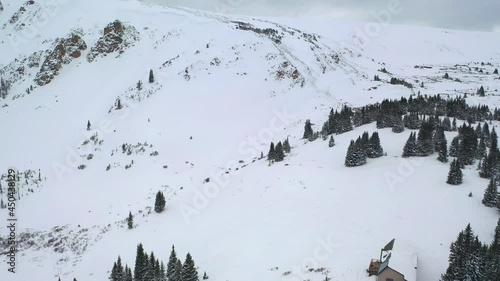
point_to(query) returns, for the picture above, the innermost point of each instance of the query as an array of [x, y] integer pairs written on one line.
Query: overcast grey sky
[[454, 14]]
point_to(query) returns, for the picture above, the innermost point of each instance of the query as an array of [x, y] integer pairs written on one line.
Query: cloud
[[454, 14]]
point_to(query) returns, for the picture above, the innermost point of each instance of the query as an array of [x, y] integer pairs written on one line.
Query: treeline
[[470, 259], [403, 113], [149, 268]]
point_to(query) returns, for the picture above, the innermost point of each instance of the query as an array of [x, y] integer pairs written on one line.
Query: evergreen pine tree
[[493, 142], [158, 274], [455, 174], [189, 272], [120, 271], [446, 124], [490, 194], [130, 220], [410, 149], [438, 138], [163, 272], [443, 152], [140, 264], [480, 92], [331, 143], [153, 271], [151, 76], [286, 146], [351, 158], [466, 260], [308, 131], [455, 142], [375, 150], [481, 149], [147, 268], [172, 263], [279, 155], [495, 71], [271, 154], [88, 125], [178, 272], [129, 276], [488, 165], [160, 202], [114, 273], [424, 139]]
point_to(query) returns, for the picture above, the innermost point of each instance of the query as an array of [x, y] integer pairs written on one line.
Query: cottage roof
[[404, 263]]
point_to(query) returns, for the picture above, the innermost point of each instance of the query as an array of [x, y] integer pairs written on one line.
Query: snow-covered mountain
[[225, 87]]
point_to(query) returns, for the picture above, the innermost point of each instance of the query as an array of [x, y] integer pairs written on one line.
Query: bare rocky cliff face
[[64, 52], [117, 37]]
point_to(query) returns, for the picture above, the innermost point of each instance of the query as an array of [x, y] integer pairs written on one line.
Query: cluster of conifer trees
[[149, 268], [403, 113], [470, 259], [277, 153], [364, 147]]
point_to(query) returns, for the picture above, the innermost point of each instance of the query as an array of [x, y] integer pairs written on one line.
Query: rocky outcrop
[[65, 51], [117, 37], [17, 14]]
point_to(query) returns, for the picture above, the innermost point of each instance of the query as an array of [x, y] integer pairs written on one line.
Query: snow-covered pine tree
[[130, 220], [178, 272], [88, 125], [443, 152], [151, 76], [331, 142], [481, 149], [490, 194], [454, 146], [410, 149], [147, 268], [446, 124], [172, 262], [375, 150], [279, 155], [424, 139], [160, 202], [438, 138], [271, 154], [163, 272], [466, 260], [129, 276], [494, 255], [125, 273], [189, 272], [114, 273], [308, 131], [120, 271], [140, 264], [455, 174], [286, 146], [480, 92]]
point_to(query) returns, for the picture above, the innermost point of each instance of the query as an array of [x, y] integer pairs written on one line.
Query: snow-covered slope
[[225, 87]]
